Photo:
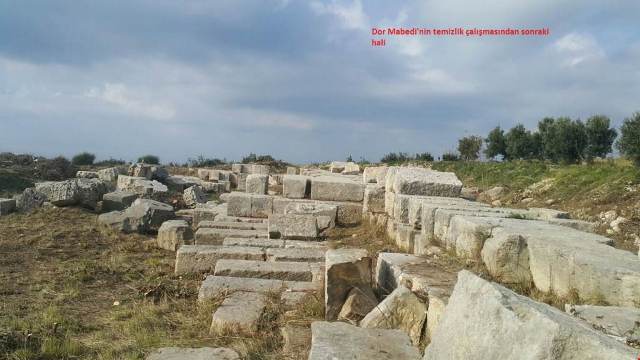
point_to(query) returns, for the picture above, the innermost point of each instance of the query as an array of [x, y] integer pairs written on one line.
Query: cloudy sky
[[299, 79]]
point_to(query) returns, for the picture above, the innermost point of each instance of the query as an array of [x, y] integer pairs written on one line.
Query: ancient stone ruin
[[390, 305]]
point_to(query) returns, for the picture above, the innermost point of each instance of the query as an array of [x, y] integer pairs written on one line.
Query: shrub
[[496, 144], [149, 159], [201, 161], [56, 169], [520, 143], [252, 158], [600, 136], [450, 157], [424, 157], [629, 142], [563, 140], [83, 158], [110, 162], [469, 147]]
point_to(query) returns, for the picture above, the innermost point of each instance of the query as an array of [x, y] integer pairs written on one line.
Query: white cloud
[[351, 15], [119, 95], [578, 48]]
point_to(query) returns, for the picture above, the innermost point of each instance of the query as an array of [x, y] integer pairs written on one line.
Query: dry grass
[[71, 290]]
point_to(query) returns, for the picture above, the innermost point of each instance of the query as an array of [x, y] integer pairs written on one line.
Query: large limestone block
[[118, 200], [87, 174], [336, 188], [259, 169], [214, 286], [506, 257], [148, 171], [296, 186], [238, 225], [85, 192], [239, 204], [203, 258], [29, 200], [203, 353], [400, 310], [240, 312], [253, 242], [316, 209], [194, 195], [426, 182], [484, 320], [261, 206], [346, 168], [374, 197], [110, 176], [7, 206], [213, 236], [623, 323], [359, 303], [294, 227], [140, 185], [296, 254], [257, 184], [257, 269], [173, 234], [240, 168], [292, 170], [143, 216], [337, 340], [371, 174], [345, 269]]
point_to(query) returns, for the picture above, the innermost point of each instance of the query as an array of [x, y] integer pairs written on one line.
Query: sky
[[299, 79]]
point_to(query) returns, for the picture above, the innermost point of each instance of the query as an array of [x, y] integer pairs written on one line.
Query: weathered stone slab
[[622, 323], [84, 192], [110, 176], [148, 171], [29, 200], [239, 204], [259, 169], [194, 195], [339, 340], [296, 254], [253, 242], [292, 170], [173, 234], [296, 339], [240, 168], [140, 185], [296, 186], [371, 174], [203, 258], [143, 216], [400, 310], [316, 209], [87, 174], [295, 227], [301, 244], [212, 236], [118, 200], [373, 199], [542, 213], [291, 271], [238, 225], [345, 168], [240, 312], [344, 269], [213, 286], [425, 182], [484, 320], [261, 206], [203, 353], [226, 218], [336, 188], [257, 184], [7, 206]]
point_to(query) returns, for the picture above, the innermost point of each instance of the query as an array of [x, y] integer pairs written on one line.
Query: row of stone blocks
[[331, 188]]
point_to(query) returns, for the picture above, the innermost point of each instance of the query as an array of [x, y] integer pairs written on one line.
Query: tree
[[600, 136], [496, 144], [149, 159], [84, 158], [424, 156], [629, 141], [520, 143], [469, 147], [450, 156], [349, 158], [563, 140]]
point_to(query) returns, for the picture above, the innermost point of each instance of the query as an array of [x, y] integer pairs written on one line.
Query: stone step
[[232, 225], [239, 312], [213, 286], [253, 242], [210, 236], [338, 340], [203, 258], [175, 353], [290, 271], [296, 254], [227, 218]]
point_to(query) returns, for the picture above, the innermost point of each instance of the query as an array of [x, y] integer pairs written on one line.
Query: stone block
[[359, 303], [257, 269], [202, 353], [7, 206], [345, 269], [173, 234], [240, 312], [257, 184], [374, 197], [292, 170], [336, 188], [203, 258], [294, 227], [118, 200], [213, 236], [622, 323], [296, 254], [296, 186], [214, 286], [425, 182]]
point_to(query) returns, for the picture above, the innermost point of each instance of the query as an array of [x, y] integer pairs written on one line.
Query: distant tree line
[[394, 158]]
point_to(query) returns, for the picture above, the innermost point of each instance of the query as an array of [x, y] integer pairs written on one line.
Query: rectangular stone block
[[295, 227], [213, 286], [375, 174], [426, 182], [240, 312], [211, 236], [373, 199], [253, 242], [296, 186], [233, 225], [292, 170], [261, 206], [336, 188], [203, 258], [291, 271], [173, 234], [296, 254], [239, 204], [345, 269], [257, 184]]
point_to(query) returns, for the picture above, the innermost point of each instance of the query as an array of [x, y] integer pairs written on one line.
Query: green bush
[[56, 169], [450, 157], [496, 145], [84, 158], [149, 159], [469, 147], [110, 162], [629, 142], [521, 144], [201, 161]]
